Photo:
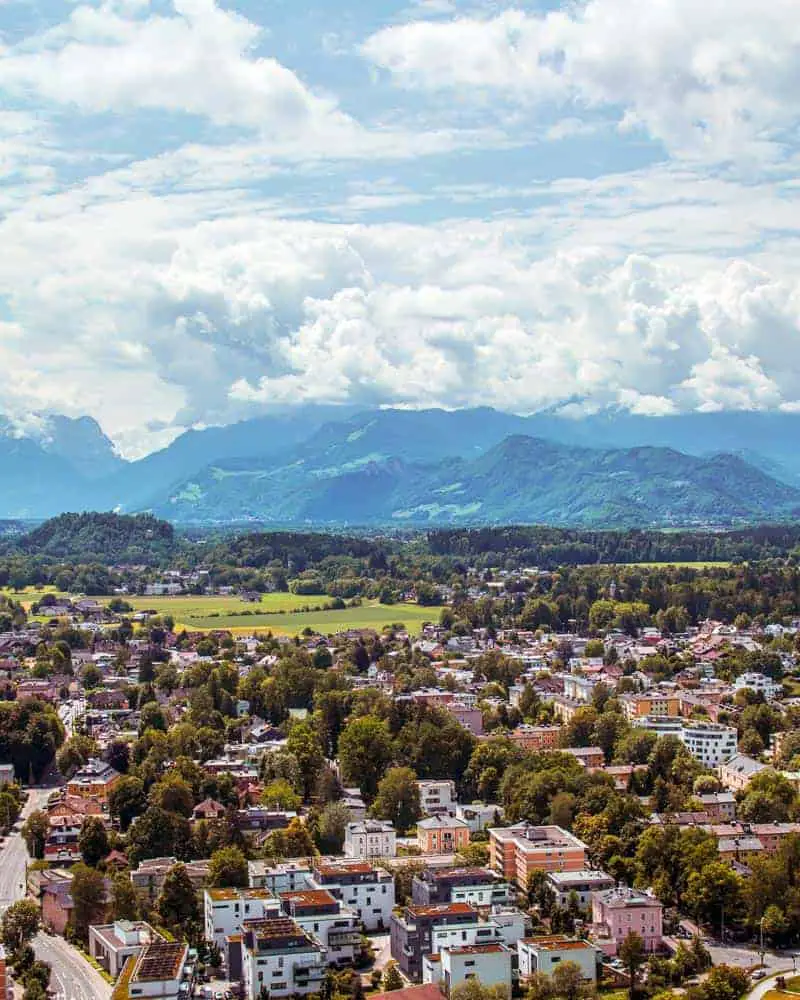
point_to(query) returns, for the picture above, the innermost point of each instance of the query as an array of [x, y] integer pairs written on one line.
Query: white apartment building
[[278, 956], [320, 915], [709, 742], [225, 910], [371, 839], [284, 877], [367, 890], [490, 964], [759, 683], [437, 797]]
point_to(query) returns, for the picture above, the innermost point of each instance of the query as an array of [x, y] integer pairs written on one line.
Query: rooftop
[[161, 960]]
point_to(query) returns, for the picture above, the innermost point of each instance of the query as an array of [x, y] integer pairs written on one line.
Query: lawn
[[374, 616], [282, 613]]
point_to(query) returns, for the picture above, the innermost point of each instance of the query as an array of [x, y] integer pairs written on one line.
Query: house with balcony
[[516, 851], [280, 959], [327, 920], [362, 887]]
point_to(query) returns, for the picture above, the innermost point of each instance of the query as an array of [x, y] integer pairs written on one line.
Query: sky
[[208, 210]]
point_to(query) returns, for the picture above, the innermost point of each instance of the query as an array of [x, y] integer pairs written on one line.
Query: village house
[[442, 835]]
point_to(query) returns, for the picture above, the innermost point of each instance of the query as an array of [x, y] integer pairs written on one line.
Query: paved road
[[73, 978]]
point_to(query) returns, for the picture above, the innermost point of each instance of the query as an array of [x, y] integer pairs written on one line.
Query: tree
[[568, 981], [473, 989], [124, 901], [397, 798], [228, 868], [279, 794], [127, 800], [304, 745], [118, 756], [158, 834], [332, 827], [726, 982], [714, 889], [34, 833], [172, 794], [93, 840], [631, 954], [177, 904], [74, 754], [88, 891], [392, 980], [20, 924], [365, 751]]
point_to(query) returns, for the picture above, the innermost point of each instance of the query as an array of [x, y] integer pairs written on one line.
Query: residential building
[[362, 887], [159, 970], [651, 703], [94, 780], [581, 883], [720, 806], [320, 914], [616, 912], [437, 797], [469, 716], [760, 684], [372, 838], [111, 945], [411, 931], [287, 876], [442, 835], [588, 756], [148, 878], [6, 774], [490, 964], [224, 911], [529, 737], [738, 771], [474, 886], [709, 742], [479, 815], [280, 958], [516, 851], [545, 953]]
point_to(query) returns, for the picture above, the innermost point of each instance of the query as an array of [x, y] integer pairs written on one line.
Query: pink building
[[617, 912], [471, 718]]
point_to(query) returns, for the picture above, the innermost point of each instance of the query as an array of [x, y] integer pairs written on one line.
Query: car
[[757, 974], [218, 995]]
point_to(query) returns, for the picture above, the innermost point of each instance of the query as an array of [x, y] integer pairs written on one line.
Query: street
[[72, 978]]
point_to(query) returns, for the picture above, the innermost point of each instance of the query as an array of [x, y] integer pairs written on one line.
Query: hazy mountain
[[301, 464], [521, 480]]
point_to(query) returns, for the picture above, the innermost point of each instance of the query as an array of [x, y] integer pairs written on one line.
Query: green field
[[282, 613], [374, 616], [185, 608]]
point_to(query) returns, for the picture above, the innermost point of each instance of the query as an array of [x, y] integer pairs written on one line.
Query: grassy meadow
[[281, 613]]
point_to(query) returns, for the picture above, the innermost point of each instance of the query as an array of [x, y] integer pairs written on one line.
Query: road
[[73, 978]]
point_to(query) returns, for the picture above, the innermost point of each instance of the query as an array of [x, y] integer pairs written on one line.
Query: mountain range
[[330, 466]]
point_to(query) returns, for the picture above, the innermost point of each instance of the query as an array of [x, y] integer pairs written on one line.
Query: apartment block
[[516, 851], [280, 958]]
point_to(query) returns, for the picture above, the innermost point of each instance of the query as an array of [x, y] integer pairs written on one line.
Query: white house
[[709, 742], [323, 917], [371, 839], [278, 956], [367, 890], [159, 971], [490, 964], [583, 883], [546, 953], [479, 815], [224, 911], [759, 683], [437, 797]]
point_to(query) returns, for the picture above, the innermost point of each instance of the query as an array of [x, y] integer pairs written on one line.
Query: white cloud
[[718, 78], [199, 60]]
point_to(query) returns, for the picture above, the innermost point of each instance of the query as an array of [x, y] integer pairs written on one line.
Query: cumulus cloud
[[718, 78], [199, 60]]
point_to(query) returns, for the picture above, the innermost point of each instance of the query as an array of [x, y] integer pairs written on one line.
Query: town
[[488, 801]]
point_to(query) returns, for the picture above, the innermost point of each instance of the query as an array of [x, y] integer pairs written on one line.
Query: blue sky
[[211, 209]]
